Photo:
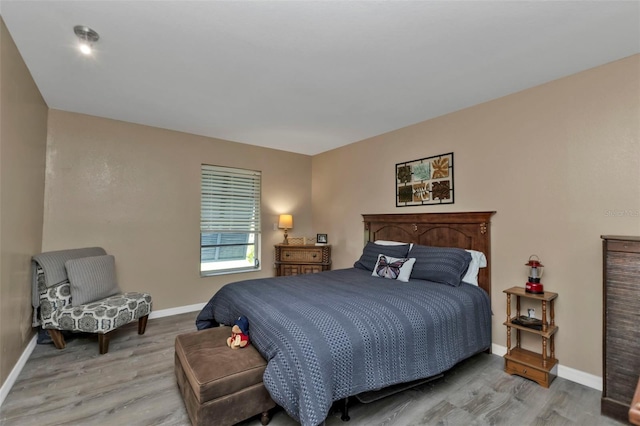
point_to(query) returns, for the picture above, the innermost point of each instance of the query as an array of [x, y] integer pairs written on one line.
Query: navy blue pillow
[[371, 251], [445, 265]]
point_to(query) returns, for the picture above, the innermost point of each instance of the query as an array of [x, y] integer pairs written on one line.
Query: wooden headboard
[[467, 230]]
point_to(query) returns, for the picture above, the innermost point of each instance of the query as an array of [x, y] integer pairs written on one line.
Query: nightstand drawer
[[310, 269], [513, 367], [312, 255], [288, 270]]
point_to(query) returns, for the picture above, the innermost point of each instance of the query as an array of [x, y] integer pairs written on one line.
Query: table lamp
[[285, 222]]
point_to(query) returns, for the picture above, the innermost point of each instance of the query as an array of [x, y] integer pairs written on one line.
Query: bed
[[340, 333]]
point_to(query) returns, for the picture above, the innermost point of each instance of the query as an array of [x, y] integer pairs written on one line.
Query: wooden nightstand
[[532, 365], [299, 259]]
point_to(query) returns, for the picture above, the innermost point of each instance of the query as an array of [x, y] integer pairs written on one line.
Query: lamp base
[[535, 288]]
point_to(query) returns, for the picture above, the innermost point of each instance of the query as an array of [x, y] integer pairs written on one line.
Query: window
[[229, 220]]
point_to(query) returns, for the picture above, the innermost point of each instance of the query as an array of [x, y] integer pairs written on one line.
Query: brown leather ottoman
[[220, 386]]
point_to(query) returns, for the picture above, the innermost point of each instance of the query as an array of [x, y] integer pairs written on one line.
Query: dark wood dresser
[[621, 325], [302, 259]]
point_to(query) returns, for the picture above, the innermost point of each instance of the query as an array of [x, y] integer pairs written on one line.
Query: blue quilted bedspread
[[338, 333]]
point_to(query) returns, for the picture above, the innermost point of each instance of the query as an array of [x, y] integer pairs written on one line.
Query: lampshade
[[285, 221]]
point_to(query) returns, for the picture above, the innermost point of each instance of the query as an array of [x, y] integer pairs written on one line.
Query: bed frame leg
[[265, 418], [345, 410]]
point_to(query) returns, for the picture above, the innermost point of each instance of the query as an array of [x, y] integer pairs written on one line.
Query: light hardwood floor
[[134, 384]]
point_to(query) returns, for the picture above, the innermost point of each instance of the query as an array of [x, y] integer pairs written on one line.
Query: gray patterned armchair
[[77, 291]]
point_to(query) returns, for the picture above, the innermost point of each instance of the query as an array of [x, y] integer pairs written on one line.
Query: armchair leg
[[58, 338], [142, 324], [103, 343]]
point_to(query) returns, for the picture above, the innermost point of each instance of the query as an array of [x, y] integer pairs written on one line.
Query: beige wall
[[135, 191], [23, 132], [553, 161]]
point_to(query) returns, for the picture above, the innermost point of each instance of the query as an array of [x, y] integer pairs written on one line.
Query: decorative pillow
[[92, 278], [393, 268], [445, 265], [371, 251], [478, 260]]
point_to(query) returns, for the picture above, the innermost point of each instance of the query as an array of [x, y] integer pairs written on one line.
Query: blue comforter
[[338, 333]]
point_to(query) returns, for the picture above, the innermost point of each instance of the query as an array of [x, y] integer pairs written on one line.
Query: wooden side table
[[532, 365], [302, 259]]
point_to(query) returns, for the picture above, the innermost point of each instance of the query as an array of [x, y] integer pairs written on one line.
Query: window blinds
[[230, 200]]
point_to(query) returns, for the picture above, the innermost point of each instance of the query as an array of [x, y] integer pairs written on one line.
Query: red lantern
[[535, 273]]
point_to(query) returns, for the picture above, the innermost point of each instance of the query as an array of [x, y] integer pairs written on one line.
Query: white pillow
[[392, 243], [478, 260], [393, 268]]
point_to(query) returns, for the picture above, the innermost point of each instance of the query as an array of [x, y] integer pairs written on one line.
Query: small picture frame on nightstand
[[321, 239]]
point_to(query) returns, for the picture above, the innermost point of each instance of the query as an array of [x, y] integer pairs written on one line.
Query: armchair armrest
[[53, 299]]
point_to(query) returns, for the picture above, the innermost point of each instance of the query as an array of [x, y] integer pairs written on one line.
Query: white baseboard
[[176, 311], [577, 376], [581, 377], [13, 376], [498, 349]]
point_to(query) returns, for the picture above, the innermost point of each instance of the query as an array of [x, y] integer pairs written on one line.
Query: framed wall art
[[426, 181]]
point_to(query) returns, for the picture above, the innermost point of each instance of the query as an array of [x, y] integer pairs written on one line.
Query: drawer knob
[[286, 255], [524, 371], [315, 255]]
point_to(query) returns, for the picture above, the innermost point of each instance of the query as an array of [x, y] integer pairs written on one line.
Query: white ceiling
[[307, 76]]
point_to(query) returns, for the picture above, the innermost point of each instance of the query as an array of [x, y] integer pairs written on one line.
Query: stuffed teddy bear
[[239, 334]]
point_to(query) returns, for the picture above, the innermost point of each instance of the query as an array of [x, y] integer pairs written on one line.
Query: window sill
[[204, 274]]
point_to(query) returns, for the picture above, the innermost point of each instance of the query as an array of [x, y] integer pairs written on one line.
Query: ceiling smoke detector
[[87, 37]]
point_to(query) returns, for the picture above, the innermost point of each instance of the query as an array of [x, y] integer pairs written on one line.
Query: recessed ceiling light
[[87, 37]]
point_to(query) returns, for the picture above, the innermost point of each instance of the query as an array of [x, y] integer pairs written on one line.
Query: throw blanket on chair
[[52, 263]]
